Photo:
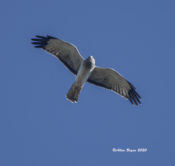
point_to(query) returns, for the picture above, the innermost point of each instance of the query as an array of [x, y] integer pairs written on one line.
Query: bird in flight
[[85, 70]]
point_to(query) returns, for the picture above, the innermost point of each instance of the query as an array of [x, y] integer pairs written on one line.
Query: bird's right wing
[[110, 79], [66, 52]]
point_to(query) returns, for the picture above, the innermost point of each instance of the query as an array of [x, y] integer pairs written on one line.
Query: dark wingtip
[[41, 37], [41, 41], [38, 46], [130, 100], [51, 37], [134, 97]]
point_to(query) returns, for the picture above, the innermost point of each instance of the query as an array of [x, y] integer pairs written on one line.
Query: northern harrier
[[86, 70]]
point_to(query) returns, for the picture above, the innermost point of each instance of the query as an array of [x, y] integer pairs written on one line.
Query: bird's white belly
[[83, 75]]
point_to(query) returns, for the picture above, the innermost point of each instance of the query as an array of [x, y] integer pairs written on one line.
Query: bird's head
[[91, 60]]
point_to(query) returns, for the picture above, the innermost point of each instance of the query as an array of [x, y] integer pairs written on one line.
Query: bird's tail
[[74, 92]]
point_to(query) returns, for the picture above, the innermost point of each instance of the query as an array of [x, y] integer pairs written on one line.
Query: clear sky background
[[38, 126]]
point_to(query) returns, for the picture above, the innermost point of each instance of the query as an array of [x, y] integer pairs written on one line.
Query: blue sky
[[38, 126]]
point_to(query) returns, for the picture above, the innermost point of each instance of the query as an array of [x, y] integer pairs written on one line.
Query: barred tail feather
[[73, 93]]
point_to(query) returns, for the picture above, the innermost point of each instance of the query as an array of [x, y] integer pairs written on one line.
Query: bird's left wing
[[110, 79], [66, 52]]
